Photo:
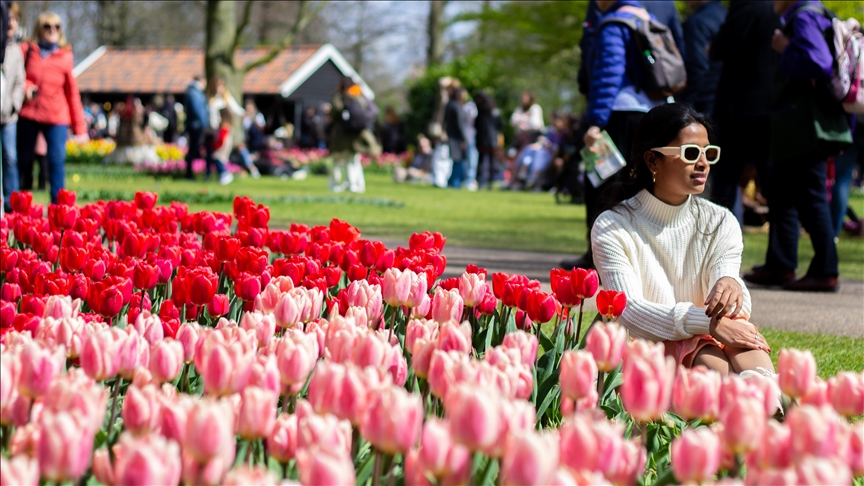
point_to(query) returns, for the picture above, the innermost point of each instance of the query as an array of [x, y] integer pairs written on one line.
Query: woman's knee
[[748, 359], [713, 358]]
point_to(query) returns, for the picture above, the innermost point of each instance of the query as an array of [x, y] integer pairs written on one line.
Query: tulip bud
[[696, 455], [393, 420], [255, 418], [19, 470], [696, 394], [611, 304], [218, 306], [530, 458], [166, 360], [606, 342], [282, 440], [64, 447], [446, 306], [797, 370], [846, 393], [578, 374]]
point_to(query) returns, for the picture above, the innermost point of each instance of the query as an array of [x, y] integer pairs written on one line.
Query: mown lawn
[[496, 219]]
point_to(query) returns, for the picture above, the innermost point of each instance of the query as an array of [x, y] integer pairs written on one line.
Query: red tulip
[[498, 281], [584, 282], [562, 288], [200, 286], [226, 248], [145, 200], [247, 287], [145, 276], [217, 307], [62, 217], [73, 259], [610, 303], [541, 306], [21, 201], [66, 198], [10, 292]]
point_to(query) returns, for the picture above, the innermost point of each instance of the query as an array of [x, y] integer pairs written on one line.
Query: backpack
[[846, 42], [662, 67], [354, 115]]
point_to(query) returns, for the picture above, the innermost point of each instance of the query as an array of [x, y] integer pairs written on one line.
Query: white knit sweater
[[666, 259]]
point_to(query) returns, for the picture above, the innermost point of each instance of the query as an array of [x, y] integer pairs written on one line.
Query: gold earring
[[654, 177]]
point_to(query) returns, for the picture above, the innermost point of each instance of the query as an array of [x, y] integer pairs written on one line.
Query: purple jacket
[[807, 56]]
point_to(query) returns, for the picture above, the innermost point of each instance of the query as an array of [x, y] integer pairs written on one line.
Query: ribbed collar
[[660, 213]]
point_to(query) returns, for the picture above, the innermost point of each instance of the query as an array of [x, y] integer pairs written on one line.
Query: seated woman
[[677, 256]]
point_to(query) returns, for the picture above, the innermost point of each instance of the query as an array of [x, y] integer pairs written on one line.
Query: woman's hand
[[726, 293], [30, 92], [592, 136], [738, 334]]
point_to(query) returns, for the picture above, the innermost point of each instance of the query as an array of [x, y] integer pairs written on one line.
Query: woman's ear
[[650, 159]]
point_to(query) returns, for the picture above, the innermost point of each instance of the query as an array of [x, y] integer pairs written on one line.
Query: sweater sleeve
[[645, 319], [725, 259]]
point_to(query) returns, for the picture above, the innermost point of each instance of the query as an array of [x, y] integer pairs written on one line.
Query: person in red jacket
[[52, 102]]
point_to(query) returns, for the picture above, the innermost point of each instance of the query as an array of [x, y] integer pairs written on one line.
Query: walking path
[[840, 313]]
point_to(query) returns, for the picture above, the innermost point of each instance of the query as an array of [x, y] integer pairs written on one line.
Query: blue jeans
[[55, 137], [471, 167], [10, 160], [844, 165], [455, 180]]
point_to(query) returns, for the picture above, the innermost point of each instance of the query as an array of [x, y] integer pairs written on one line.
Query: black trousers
[[744, 142], [196, 139], [799, 194], [621, 128]]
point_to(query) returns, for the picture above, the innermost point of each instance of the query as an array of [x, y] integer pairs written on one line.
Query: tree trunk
[[219, 54], [435, 32]]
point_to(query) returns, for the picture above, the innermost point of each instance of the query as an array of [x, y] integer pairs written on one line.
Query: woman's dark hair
[[484, 101], [345, 83], [530, 96], [657, 128]]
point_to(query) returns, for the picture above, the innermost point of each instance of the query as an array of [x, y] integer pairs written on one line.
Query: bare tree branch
[[303, 18], [238, 34]]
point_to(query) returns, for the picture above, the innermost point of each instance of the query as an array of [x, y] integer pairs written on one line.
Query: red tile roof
[[169, 69]]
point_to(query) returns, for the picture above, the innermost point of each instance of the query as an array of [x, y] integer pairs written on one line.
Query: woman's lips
[[699, 178]]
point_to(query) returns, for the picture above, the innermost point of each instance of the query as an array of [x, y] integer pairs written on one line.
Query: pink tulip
[[743, 423], [17, 412], [396, 286], [361, 294], [325, 466], [819, 471], [134, 352], [225, 368], [447, 305], [648, 377], [265, 374], [64, 448], [818, 432], [282, 440], [422, 310], [173, 415], [187, 335], [523, 342], [817, 396], [256, 416], [8, 380], [325, 431], [210, 431], [340, 390], [419, 291], [774, 450], [578, 446], [60, 307], [797, 371], [296, 355], [419, 329], [696, 455], [474, 415], [439, 373], [19, 471], [263, 326], [696, 394], [776, 477], [266, 301], [166, 360], [530, 458], [38, 368], [149, 326], [454, 337], [139, 460], [100, 353], [856, 449], [578, 374], [208, 473], [846, 392], [141, 409], [25, 440], [439, 457], [393, 420], [75, 392], [287, 313], [629, 465], [421, 357], [369, 350], [249, 475], [606, 342], [472, 288]]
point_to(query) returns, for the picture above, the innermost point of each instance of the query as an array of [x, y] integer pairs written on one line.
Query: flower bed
[[148, 344]]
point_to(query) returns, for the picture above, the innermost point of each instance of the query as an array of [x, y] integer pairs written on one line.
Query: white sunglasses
[[690, 152]]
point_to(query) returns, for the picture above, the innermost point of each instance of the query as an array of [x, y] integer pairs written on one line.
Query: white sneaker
[[253, 171], [226, 178], [472, 186]]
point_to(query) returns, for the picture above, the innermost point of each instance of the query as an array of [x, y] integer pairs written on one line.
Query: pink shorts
[[685, 351]]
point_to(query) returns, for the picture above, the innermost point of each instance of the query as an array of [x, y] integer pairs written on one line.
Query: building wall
[[319, 88]]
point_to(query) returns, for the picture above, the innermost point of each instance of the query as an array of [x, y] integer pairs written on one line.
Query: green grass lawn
[[496, 219]]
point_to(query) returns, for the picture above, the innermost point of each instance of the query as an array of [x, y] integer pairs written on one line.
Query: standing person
[[197, 121], [253, 127], [52, 103], [469, 110], [488, 126], [392, 133], [12, 100], [170, 113], [799, 150], [615, 102], [454, 128], [219, 99], [703, 74], [527, 120], [677, 256], [743, 100], [223, 143], [350, 137]]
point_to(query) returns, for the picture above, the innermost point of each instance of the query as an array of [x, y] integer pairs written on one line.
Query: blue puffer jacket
[[614, 65]]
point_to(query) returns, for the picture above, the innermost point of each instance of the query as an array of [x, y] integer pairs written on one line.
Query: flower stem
[[599, 388], [376, 474], [579, 324], [116, 393]]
